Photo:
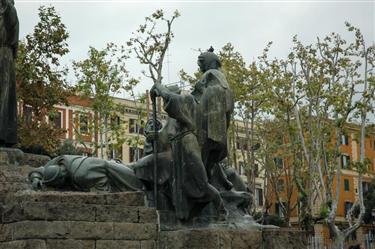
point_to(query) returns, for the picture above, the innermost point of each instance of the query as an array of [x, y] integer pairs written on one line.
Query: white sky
[[248, 25]]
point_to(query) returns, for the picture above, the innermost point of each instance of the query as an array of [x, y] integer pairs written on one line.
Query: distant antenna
[[197, 50]]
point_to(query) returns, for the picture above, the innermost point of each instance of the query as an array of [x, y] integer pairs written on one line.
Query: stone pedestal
[[80, 220], [220, 238]]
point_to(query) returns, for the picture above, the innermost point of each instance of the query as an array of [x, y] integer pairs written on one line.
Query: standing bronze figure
[[8, 50]]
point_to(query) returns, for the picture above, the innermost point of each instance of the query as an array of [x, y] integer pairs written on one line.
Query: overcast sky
[[248, 25]]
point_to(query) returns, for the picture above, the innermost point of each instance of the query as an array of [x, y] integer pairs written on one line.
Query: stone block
[[49, 211], [189, 238], [123, 198], [5, 232], [244, 239], [214, 238], [71, 244], [148, 244], [24, 244], [10, 156], [116, 213], [117, 244], [61, 230], [147, 215], [284, 239], [134, 231], [40, 230], [91, 230]]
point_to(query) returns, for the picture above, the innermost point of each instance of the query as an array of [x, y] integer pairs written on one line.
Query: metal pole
[[154, 146]]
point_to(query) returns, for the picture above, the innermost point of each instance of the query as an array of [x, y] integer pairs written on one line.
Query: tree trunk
[[339, 242]]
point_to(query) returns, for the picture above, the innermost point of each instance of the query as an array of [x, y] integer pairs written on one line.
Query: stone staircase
[[55, 220]]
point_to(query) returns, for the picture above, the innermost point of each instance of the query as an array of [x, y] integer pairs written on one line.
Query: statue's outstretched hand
[[155, 91], [36, 184]]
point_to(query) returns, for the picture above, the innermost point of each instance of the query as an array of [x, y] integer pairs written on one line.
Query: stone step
[[122, 198], [216, 238], [65, 211], [78, 244], [77, 230]]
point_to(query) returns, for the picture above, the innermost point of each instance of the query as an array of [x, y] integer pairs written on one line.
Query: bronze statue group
[[183, 170], [192, 179]]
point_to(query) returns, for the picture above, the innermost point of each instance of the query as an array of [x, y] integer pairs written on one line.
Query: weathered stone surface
[[24, 244], [56, 211], [33, 160], [133, 231], [117, 213], [148, 244], [10, 156], [190, 238], [5, 233], [80, 230], [216, 238], [39, 230], [147, 215], [284, 238], [123, 198], [117, 244], [70, 244], [52, 211]]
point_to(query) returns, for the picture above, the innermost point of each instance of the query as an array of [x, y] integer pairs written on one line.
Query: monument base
[[218, 238], [80, 220]]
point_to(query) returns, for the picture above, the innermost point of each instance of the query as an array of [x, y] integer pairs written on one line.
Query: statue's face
[[201, 64]]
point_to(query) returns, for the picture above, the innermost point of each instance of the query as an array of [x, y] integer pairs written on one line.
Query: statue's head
[[54, 175], [208, 60], [150, 127]]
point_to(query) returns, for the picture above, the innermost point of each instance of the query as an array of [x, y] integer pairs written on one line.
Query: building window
[[346, 185], [279, 210], [345, 161], [259, 197], [135, 154], [84, 123], [56, 119], [278, 162], [241, 168], [344, 139], [256, 170], [365, 187], [241, 143], [280, 185], [135, 126], [28, 114], [114, 152], [347, 206], [115, 121]]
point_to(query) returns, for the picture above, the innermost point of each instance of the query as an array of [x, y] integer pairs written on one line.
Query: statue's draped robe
[[190, 183], [94, 174], [214, 112], [8, 101]]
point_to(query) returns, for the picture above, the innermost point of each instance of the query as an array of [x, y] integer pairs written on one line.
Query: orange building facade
[[349, 189]]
